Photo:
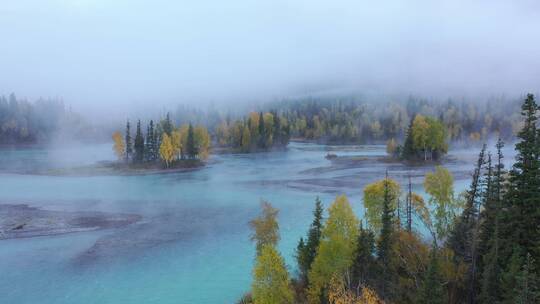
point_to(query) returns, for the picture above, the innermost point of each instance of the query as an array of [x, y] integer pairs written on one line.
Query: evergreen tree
[[302, 259], [491, 277], [432, 291], [262, 139], [526, 291], [489, 211], [474, 203], [385, 244], [139, 144], [491, 261], [150, 142], [276, 132], [168, 125], [306, 252], [364, 267], [509, 279], [129, 145], [408, 206], [489, 234], [336, 252], [191, 148], [491, 237], [523, 197], [408, 151], [147, 145], [156, 141], [463, 237]]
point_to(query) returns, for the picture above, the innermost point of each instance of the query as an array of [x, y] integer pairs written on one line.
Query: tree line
[[162, 143], [257, 132], [357, 120], [483, 246], [22, 121]]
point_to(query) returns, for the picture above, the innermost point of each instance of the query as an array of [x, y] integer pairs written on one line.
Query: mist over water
[[183, 237]]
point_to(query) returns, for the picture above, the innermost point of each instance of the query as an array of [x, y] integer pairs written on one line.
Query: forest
[[480, 246], [333, 120], [162, 143], [24, 122], [355, 120], [257, 132]]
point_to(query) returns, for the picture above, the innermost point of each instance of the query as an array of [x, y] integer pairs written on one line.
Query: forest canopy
[[484, 245]]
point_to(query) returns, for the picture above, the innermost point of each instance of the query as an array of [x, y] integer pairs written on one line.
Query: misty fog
[[98, 54], [272, 151]]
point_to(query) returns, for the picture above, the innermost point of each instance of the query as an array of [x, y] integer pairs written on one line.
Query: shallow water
[[192, 245]]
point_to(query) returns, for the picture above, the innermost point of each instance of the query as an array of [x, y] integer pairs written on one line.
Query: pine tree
[[385, 244], [306, 252], [491, 276], [335, 255], [150, 142], [408, 206], [301, 259], [474, 203], [526, 291], [276, 132], [408, 151], [463, 237], [364, 267], [522, 201], [167, 125], [489, 235], [156, 141], [139, 144], [129, 145], [191, 148], [510, 275], [262, 139], [489, 211], [432, 291]]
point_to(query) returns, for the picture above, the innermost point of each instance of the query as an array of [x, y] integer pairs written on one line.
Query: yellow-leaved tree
[[166, 150], [183, 133], [440, 186], [420, 133], [119, 147], [202, 140], [265, 227], [339, 294], [271, 284], [373, 201], [337, 246], [223, 134], [412, 258], [246, 139], [176, 140]]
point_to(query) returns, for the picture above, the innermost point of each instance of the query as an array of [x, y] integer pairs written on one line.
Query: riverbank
[[105, 168]]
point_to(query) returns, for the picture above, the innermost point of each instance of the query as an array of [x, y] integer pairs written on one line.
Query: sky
[[113, 53]]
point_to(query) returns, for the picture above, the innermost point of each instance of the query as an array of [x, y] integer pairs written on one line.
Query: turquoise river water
[[192, 243]]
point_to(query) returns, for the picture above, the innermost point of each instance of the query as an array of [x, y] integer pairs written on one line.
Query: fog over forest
[[270, 151], [98, 54]]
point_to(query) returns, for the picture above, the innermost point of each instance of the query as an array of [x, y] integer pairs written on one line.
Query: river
[[192, 242]]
